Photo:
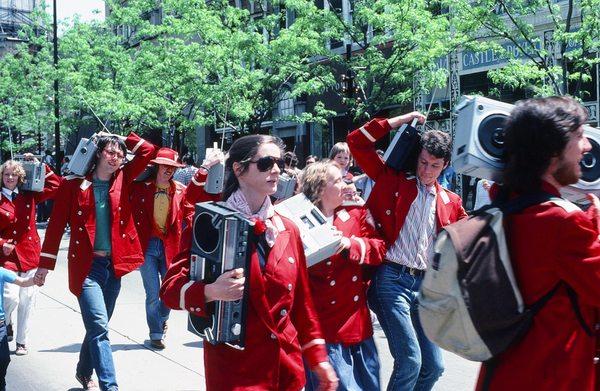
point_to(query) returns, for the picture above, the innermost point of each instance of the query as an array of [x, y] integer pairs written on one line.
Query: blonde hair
[[314, 179], [18, 170]]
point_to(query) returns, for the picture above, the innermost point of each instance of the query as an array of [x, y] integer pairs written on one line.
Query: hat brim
[[166, 162]]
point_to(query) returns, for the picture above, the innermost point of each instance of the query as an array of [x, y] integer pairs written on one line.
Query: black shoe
[[9, 333], [158, 344]]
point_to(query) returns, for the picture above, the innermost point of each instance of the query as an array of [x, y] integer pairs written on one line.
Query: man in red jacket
[[104, 245], [551, 243], [409, 210]]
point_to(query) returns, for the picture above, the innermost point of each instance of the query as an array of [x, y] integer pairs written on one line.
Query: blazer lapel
[[442, 210]]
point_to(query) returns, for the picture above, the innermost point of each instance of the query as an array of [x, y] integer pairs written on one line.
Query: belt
[[406, 269], [102, 254]]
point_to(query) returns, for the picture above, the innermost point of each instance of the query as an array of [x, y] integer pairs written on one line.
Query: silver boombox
[[318, 236], [35, 176], [286, 187], [83, 156], [214, 179]]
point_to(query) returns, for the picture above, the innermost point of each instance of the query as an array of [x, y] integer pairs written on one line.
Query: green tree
[[558, 66]]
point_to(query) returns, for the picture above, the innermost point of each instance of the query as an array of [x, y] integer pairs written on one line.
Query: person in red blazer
[[104, 245], [281, 324], [339, 284], [551, 243], [409, 209], [20, 242], [158, 214]]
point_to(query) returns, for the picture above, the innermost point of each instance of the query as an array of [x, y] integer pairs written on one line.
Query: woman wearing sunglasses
[[339, 284], [281, 324]]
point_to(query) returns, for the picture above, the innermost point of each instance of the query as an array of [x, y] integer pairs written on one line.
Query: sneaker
[[86, 382], [9, 332], [21, 350], [158, 344]]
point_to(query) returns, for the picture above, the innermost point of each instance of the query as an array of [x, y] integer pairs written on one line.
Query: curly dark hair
[[536, 131], [436, 142]]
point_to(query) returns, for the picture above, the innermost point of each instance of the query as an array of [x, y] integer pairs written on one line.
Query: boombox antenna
[[10, 143], [94, 113], [430, 104]]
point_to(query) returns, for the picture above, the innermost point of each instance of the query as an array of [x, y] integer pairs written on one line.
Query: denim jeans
[[4, 354], [153, 270], [97, 302], [356, 366], [418, 362]]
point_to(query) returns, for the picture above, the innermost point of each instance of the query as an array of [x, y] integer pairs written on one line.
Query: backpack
[[469, 301]]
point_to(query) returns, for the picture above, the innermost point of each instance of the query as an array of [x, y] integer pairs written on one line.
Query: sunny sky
[[85, 9]]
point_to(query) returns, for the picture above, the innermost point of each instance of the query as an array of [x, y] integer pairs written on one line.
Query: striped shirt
[[415, 241]]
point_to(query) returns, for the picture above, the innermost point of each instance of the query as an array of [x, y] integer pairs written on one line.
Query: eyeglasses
[[266, 163], [111, 154]]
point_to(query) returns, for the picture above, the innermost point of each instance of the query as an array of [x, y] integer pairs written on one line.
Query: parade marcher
[[550, 243], [158, 214], [281, 323], [340, 156], [20, 243], [409, 210], [310, 159], [185, 174], [8, 277], [339, 284], [103, 247]]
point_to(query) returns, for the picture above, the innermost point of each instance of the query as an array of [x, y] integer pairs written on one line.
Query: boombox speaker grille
[[491, 135], [206, 235], [590, 164]]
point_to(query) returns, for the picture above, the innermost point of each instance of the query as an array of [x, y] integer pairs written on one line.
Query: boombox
[[35, 176], [479, 146], [318, 237], [286, 187], [221, 238], [214, 179], [479, 139], [83, 156], [402, 148]]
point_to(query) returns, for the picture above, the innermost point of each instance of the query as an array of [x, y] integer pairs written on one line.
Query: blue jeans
[[356, 366], [153, 270], [97, 302], [418, 363], [4, 354]]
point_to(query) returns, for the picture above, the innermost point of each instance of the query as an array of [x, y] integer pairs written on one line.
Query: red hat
[[168, 157]]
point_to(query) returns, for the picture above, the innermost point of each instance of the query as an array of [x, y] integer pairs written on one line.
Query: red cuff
[[47, 263], [315, 354], [192, 299], [376, 128]]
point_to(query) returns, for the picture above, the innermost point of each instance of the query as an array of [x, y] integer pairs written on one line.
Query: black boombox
[[401, 153], [221, 238]]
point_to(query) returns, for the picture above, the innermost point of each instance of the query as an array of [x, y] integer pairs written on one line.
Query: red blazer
[[74, 204], [142, 201], [549, 243], [339, 284], [17, 222], [394, 191], [281, 325]]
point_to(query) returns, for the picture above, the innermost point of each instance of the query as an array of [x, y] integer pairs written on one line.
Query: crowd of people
[[312, 326]]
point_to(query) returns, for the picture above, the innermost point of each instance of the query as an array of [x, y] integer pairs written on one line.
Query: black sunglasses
[[266, 163]]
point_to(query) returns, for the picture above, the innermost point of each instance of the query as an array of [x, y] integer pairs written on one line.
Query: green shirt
[[102, 240]]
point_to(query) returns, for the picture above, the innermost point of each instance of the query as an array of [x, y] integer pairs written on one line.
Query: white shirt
[[9, 193], [414, 245]]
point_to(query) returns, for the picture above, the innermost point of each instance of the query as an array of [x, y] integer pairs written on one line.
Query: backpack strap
[[575, 304]]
